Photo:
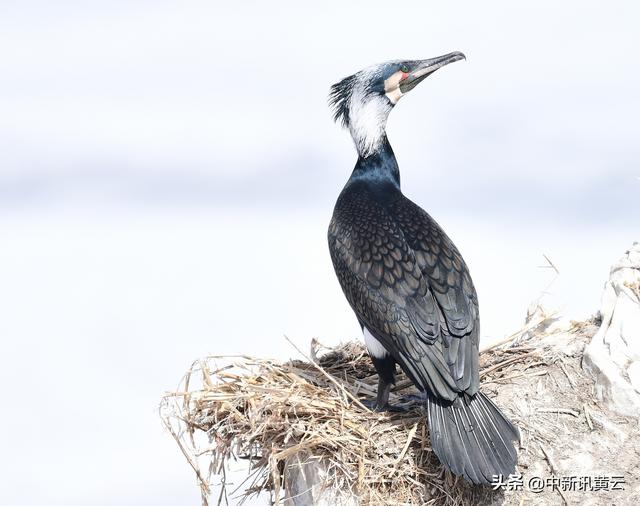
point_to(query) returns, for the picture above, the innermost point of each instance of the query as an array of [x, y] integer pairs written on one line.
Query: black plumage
[[411, 290]]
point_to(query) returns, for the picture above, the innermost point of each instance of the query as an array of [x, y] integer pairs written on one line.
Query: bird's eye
[[405, 69]]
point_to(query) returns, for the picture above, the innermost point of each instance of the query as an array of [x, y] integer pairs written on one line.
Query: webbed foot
[[419, 398], [390, 408]]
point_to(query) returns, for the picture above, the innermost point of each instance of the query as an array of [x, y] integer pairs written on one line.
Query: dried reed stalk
[[276, 415]]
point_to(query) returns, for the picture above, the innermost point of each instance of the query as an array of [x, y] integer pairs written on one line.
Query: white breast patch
[[374, 346]]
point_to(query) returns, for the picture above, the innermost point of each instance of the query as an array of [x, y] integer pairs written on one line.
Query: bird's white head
[[362, 102]]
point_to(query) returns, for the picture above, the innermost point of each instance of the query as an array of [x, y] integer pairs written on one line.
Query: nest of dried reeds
[[279, 415]]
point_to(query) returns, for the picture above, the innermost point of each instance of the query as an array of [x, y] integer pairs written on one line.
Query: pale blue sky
[[209, 103], [168, 170]]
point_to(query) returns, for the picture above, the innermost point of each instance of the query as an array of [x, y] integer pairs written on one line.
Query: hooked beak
[[427, 67]]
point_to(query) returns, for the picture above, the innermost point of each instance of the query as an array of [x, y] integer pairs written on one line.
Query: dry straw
[[277, 415]]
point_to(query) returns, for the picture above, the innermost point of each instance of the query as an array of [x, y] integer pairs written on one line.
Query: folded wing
[[409, 286]]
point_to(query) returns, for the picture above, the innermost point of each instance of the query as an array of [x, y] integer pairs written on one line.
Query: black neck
[[380, 167]]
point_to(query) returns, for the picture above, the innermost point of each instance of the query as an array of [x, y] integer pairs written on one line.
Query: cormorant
[[408, 284]]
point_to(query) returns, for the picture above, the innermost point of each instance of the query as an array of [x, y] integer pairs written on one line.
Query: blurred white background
[[168, 171]]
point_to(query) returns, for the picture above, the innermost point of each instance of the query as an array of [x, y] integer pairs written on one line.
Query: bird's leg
[[381, 403], [385, 367], [382, 396]]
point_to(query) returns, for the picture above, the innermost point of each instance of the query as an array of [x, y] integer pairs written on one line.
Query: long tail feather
[[472, 437]]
